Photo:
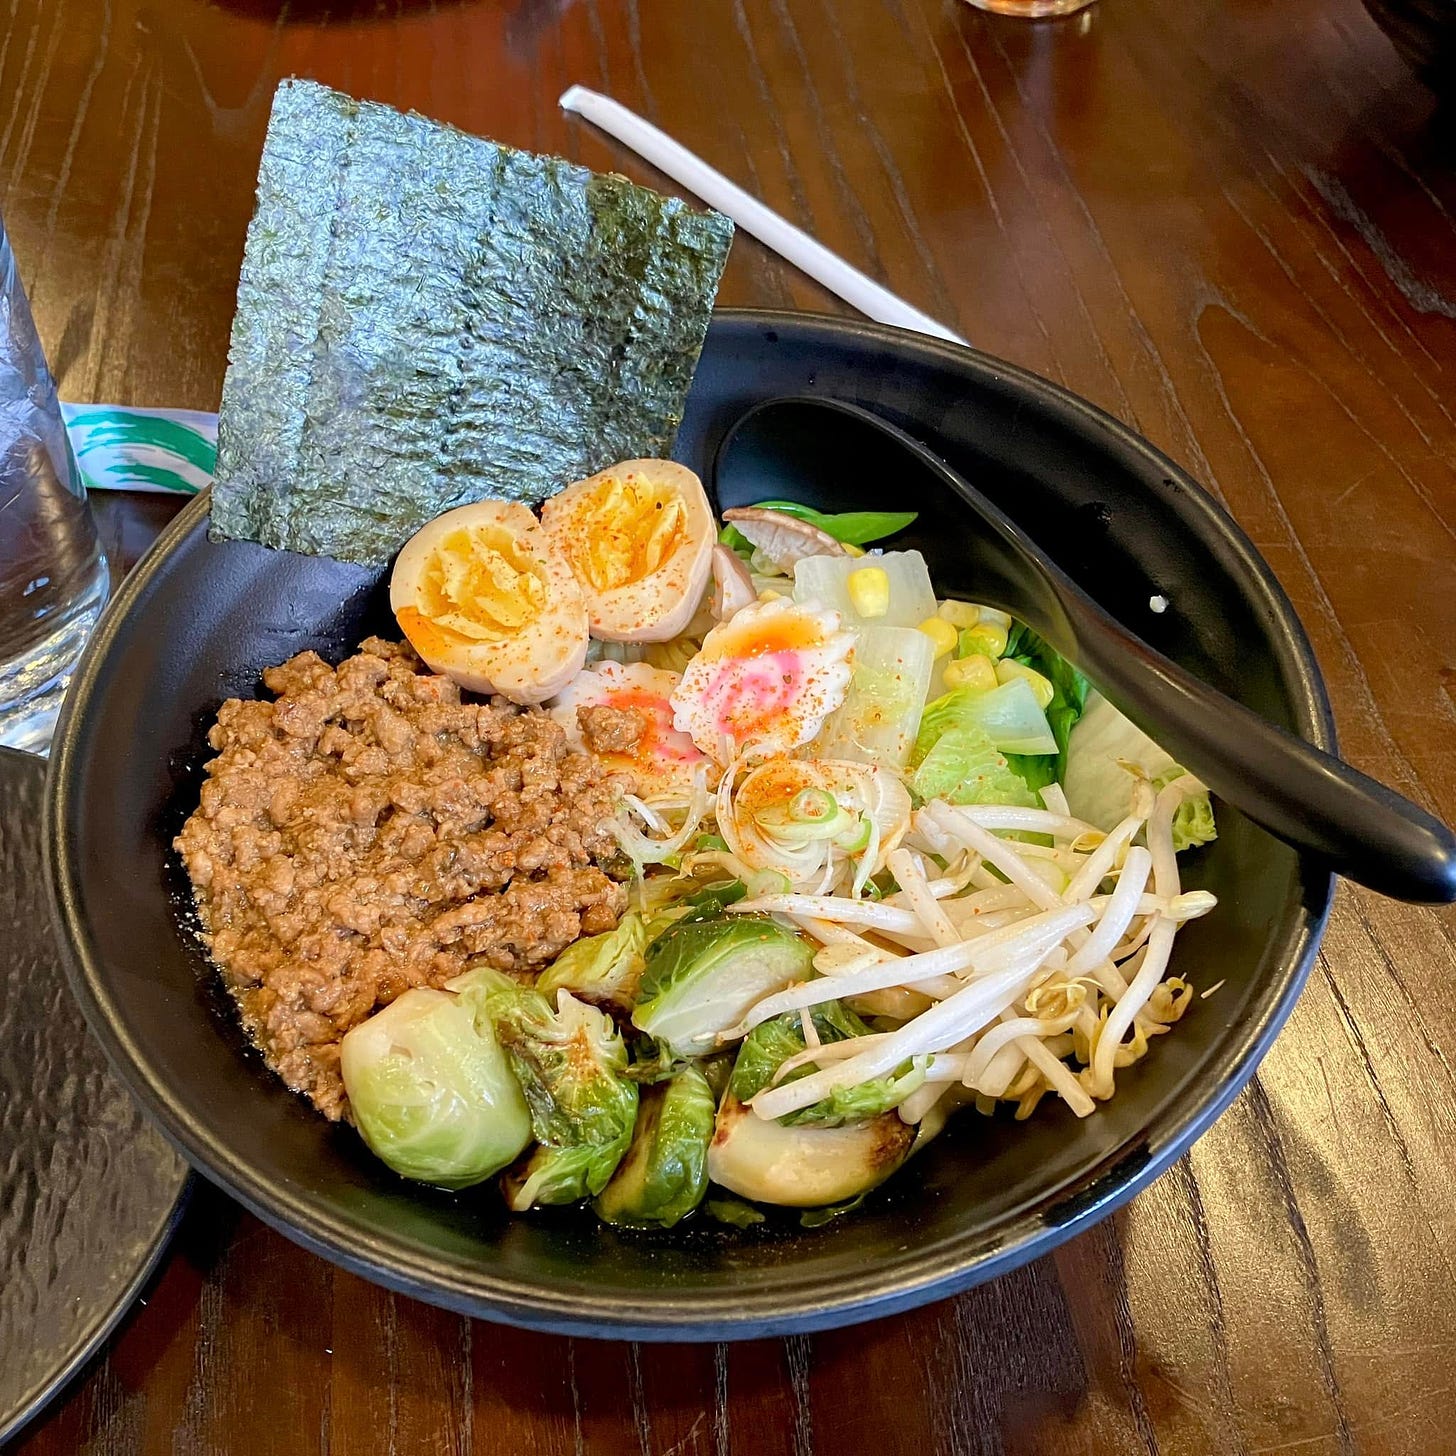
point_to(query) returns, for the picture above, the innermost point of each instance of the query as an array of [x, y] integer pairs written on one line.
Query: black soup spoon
[[808, 448]]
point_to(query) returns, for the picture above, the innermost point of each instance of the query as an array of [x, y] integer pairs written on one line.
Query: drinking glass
[[1032, 9], [53, 577]]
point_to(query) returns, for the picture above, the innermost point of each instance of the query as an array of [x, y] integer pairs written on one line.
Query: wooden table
[[1231, 225]]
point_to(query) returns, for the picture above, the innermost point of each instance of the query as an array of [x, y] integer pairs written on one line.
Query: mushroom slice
[[784, 539]]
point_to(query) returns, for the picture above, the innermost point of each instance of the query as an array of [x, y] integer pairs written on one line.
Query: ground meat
[[368, 831], [611, 730]]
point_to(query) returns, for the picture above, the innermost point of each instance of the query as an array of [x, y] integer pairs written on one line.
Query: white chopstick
[[750, 214]]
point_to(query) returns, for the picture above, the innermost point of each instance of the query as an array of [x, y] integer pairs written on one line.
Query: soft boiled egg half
[[765, 679], [485, 598], [662, 759], [639, 537]]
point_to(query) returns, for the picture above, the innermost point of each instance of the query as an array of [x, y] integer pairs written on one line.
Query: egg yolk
[[481, 583], [625, 530]]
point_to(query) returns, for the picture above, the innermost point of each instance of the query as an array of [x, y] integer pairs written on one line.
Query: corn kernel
[[942, 635], [960, 614], [869, 591], [978, 673], [768, 594], [988, 639], [990, 616], [1008, 670], [850, 549]]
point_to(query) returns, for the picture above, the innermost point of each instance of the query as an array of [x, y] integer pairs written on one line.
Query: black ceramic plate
[[199, 621], [89, 1190]]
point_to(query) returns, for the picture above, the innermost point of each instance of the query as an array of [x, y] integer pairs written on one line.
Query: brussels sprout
[[431, 1091], [569, 1063], [803, 1167], [704, 974], [769, 1045], [662, 1178], [602, 969], [718, 1070]]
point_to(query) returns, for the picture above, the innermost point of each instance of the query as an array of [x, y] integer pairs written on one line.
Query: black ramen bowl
[[198, 622]]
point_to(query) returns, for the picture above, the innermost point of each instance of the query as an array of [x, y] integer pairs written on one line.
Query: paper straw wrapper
[[169, 451]]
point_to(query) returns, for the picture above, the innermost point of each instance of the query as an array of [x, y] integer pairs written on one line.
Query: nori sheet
[[426, 318]]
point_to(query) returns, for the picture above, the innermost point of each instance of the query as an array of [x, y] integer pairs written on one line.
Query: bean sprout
[[1017, 970]]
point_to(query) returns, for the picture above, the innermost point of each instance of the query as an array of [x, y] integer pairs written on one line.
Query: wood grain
[[1231, 224]]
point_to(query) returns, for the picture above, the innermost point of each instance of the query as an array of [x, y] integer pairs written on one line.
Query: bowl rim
[[793, 1304]]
